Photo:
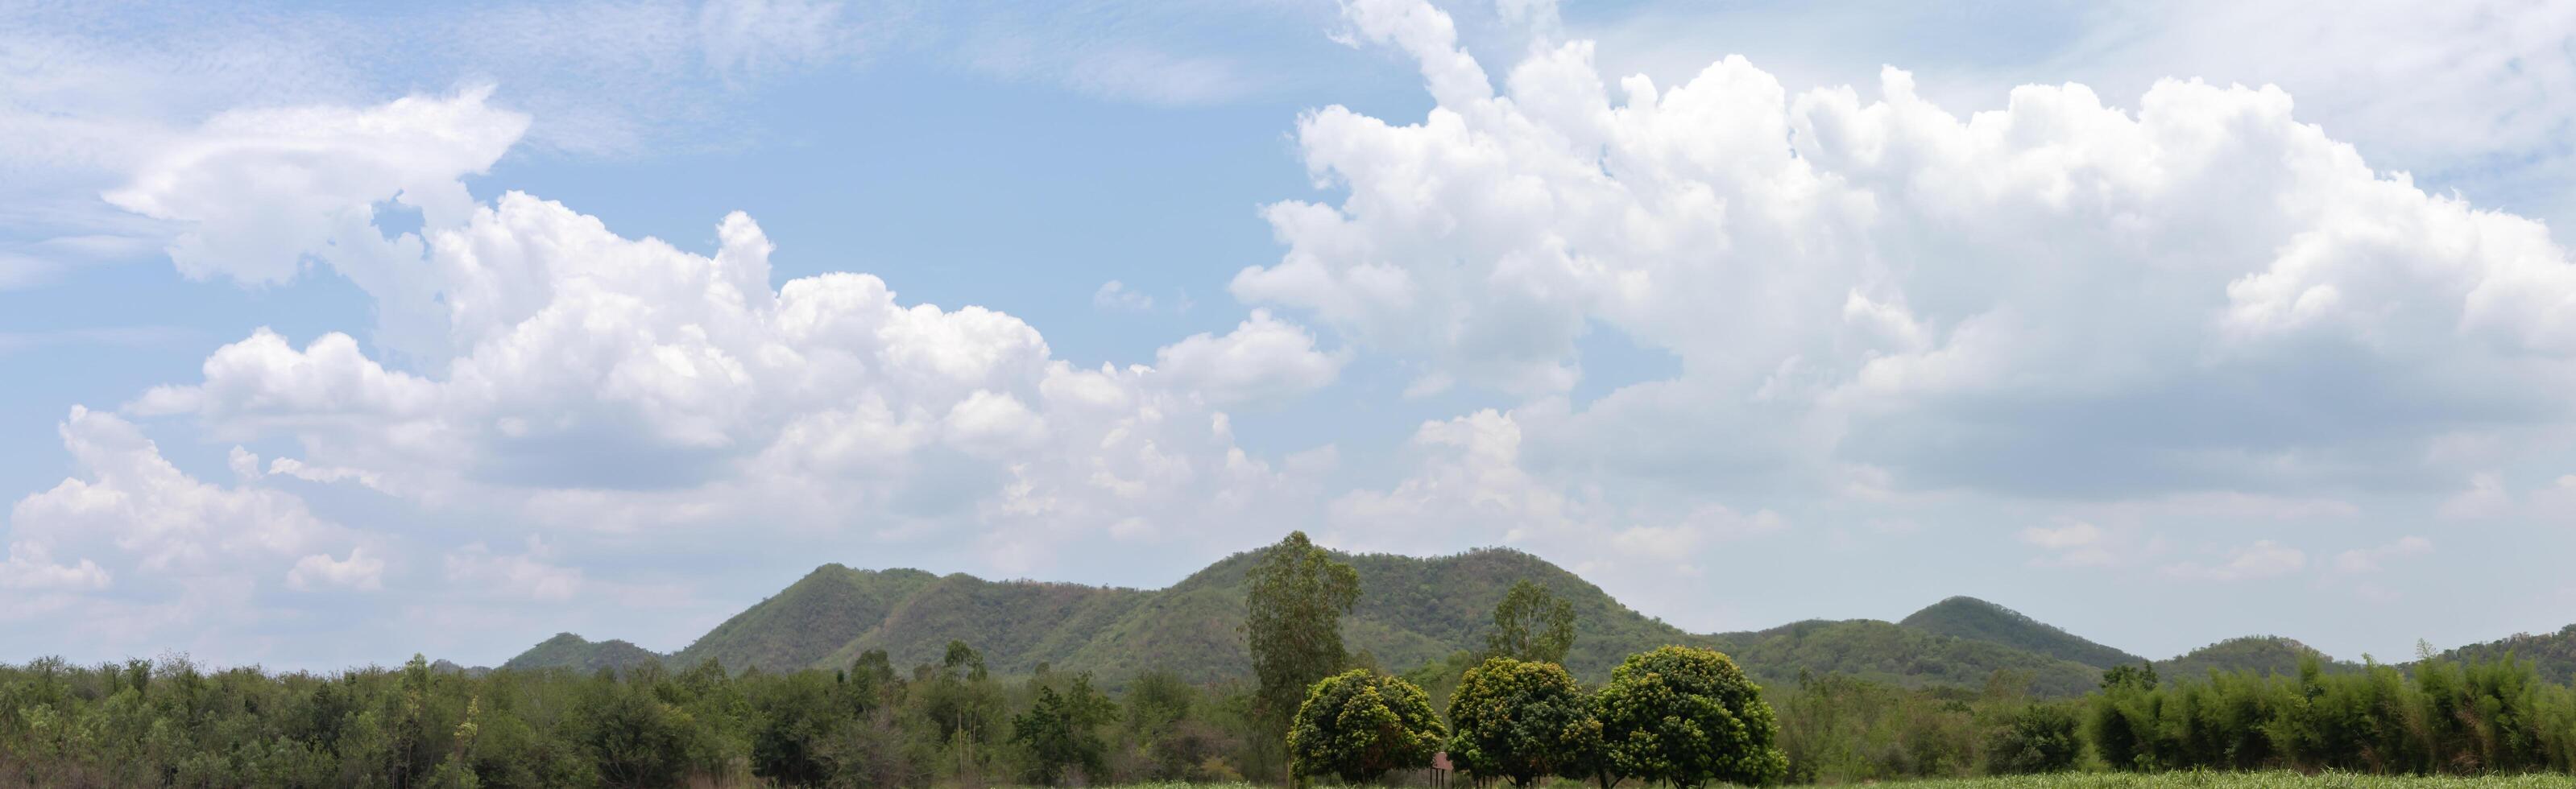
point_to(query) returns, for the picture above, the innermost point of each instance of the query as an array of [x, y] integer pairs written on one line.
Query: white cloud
[[1467, 485], [1114, 295], [132, 502], [2260, 560], [1263, 360], [527, 575], [258, 193], [319, 571], [574, 376], [2485, 497], [2367, 560], [31, 567], [2198, 295]]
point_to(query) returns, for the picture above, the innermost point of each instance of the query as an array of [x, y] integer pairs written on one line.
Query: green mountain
[[1411, 611], [2258, 654], [2553, 655], [1978, 620], [566, 650]]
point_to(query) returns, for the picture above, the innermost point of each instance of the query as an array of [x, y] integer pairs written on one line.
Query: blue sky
[[335, 335]]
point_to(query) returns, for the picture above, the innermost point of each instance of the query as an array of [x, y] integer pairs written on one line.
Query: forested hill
[[566, 650], [1978, 620], [2258, 654], [2553, 654], [1411, 611]]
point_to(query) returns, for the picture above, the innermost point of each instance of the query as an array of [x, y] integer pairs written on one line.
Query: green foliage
[[1848, 729], [1688, 716], [2139, 677], [1061, 732], [2257, 654], [2552, 655], [569, 651], [1416, 611], [1978, 620], [1359, 725], [1522, 721], [2441, 717], [1293, 607], [1531, 624], [1896, 655], [2039, 738]]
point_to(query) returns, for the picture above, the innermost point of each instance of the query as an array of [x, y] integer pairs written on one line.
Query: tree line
[[1311, 711]]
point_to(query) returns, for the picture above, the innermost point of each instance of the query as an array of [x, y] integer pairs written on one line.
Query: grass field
[[2272, 780]]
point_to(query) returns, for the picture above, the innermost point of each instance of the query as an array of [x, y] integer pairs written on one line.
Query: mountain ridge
[[1412, 611]]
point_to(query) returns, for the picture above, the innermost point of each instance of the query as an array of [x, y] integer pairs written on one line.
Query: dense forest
[[578, 713]]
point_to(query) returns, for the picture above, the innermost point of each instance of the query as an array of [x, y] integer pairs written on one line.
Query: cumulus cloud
[[312, 173], [31, 567], [131, 502], [2058, 297], [1264, 359], [259, 194], [568, 374]]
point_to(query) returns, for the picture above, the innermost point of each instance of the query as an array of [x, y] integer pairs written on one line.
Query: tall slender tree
[[1293, 617]]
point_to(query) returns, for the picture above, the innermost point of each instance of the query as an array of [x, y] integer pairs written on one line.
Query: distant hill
[[2258, 654], [1886, 652], [1411, 611], [1978, 620], [2553, 654], [566, 650]]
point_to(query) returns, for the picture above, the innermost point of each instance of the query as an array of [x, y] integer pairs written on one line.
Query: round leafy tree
[[1522, 721], [1360, 724], [1687, 717]]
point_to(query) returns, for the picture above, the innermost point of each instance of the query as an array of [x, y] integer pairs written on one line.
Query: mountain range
[[1411, 611]]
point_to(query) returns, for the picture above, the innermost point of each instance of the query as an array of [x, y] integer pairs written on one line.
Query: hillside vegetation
[[569, 651], [1412, 611], [2553, 655], [1978, 620], [2256, 654]]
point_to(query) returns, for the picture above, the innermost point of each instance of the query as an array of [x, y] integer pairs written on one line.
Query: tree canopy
[[1687, 717], [1522, 721], [1360, 724], [1531, 624]]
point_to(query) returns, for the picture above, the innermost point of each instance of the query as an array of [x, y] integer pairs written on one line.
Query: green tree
[[2039, 738], [1293, 613], [1061, 730], [1158, 700], [637, 740], [1531, 624], [1360, 724], [2141, 677], [1522, 721], [797, 713], [1688, 716]]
